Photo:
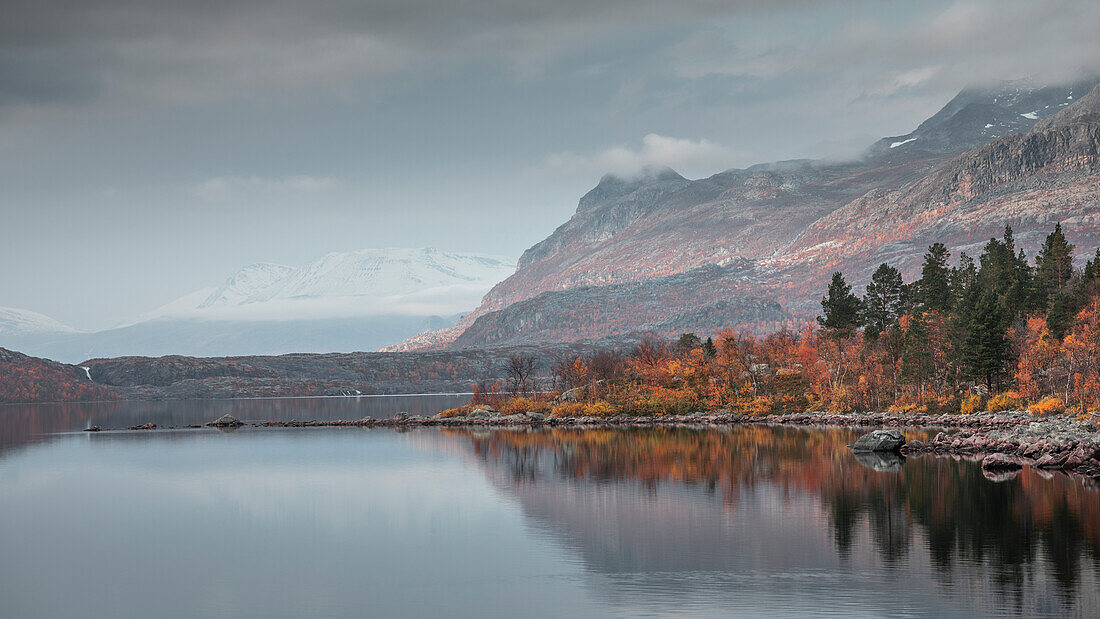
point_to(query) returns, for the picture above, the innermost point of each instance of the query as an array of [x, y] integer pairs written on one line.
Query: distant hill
[[30, 379]]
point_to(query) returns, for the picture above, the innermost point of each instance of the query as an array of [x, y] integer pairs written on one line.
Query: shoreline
[[1056, 442]]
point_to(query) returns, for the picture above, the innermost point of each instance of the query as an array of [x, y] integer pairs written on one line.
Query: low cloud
[[225, 188], [689, 157]]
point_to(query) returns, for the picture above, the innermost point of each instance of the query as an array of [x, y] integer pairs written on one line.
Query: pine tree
[[985, 349], [710, 351], [916, 358], [883, 300], [1061, 314], [1054, 267], [934, 285], [839, 306]]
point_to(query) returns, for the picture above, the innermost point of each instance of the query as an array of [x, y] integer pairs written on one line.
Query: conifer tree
[[985, 349], [1053, 268], [883, 300], [710, 351], [916, 358], [934, 285], [839, 306], [1061, 314]]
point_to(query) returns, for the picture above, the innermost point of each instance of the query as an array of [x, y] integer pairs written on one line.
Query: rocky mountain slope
[[776, 232]]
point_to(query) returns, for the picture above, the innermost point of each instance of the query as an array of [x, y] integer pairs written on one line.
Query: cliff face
[[629, 260]]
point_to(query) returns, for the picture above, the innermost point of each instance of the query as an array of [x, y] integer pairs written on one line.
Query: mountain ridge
[[795, 222]]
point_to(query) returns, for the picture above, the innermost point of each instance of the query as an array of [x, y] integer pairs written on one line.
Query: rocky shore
[[1018, 438]]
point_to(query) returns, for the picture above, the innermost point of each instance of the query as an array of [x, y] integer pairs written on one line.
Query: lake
[[747, 521]]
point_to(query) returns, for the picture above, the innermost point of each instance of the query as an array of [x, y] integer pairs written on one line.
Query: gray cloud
[[148, 147], [74, 50]]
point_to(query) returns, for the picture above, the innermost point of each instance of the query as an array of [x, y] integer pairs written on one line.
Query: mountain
[[981, 114], [24, 322], [342, 302], [391, 281], [754, 248]]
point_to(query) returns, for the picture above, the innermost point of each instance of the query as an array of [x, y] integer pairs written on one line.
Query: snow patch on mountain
[[14, 321], [391, 281]]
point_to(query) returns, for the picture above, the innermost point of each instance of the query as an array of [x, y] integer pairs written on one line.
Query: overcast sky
[[149, 148]]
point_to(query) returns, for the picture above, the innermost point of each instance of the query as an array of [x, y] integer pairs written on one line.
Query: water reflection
[[1020, 545], [24, 423], [346, 522]]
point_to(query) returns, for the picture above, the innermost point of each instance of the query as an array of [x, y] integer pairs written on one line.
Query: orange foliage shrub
[[567, 409], [599, 408], [971, 404], [1047, 406], [1007, 401]]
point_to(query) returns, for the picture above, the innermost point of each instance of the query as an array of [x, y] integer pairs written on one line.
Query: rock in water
[[885, 461], [226, 421], [1000, 462], [879, 440]]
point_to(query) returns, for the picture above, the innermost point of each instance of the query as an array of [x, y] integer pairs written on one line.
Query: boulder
[[1000, 462], [93, 429], [402, 416], [226, 421], [572, 395], [536, 417], [145, 426], [879, 440], [885, 461]]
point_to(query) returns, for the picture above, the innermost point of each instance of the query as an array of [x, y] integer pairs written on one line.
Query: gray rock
[[1000, 462], [570, 396], [226, 421], [533, 416], [879, 440], [402, 416]]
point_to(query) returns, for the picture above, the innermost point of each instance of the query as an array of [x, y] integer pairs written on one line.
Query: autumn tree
[[520, 371]]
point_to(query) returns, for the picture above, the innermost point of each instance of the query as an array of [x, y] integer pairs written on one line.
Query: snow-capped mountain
[[15, 321], [980, 114], [395, 281], [342, 302]]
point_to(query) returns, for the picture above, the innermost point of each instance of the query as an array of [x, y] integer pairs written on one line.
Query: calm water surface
[[354, 522]]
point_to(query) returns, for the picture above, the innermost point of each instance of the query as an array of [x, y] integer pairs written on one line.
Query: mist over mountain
[[342, 302]]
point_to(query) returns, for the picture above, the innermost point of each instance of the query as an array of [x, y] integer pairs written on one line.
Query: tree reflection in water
[[963, 518]]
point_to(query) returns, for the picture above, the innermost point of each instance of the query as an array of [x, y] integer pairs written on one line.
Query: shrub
[[514, 406], [1047, 406], [944, 405], [567, 409], [459, 411], [599, 408], [1007, 401], [971, 404], [760, 405]]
